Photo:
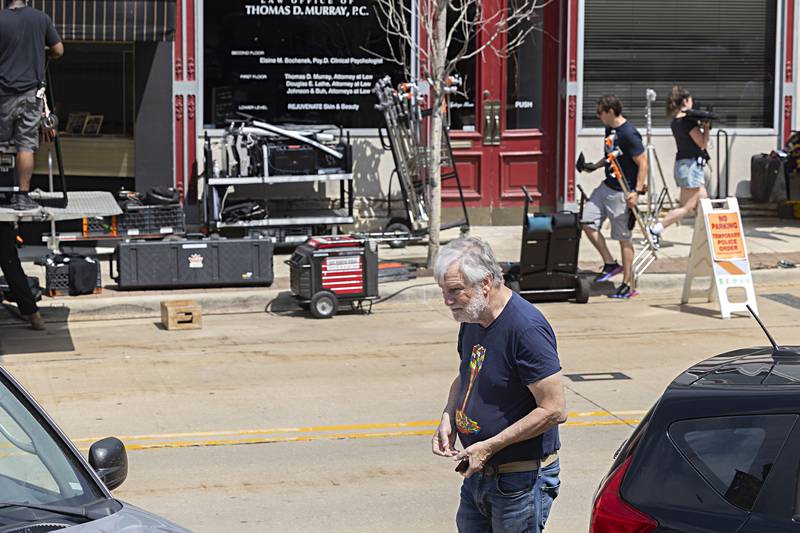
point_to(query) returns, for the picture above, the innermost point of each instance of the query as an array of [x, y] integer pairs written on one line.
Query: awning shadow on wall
[[17, 338]]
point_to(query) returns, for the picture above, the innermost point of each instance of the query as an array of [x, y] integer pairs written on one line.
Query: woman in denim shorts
[[691, 138]]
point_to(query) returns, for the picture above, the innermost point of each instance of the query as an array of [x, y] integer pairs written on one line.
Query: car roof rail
[[777, 351]]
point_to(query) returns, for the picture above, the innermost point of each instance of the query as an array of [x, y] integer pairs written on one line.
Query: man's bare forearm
[[532, 425], [452, 397], [641, 177]]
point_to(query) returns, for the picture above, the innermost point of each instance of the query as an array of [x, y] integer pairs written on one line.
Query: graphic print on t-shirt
[[464, 423]]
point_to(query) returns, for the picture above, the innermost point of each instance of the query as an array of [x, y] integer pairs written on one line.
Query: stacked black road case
[[548, 267], [193, 263]]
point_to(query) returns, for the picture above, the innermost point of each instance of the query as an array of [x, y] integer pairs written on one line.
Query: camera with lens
[[702, 115]]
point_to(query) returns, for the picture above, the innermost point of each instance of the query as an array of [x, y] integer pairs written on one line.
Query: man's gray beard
[[476, 305]]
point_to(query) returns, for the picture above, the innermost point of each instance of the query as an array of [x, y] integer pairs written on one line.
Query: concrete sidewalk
[[769, 242]]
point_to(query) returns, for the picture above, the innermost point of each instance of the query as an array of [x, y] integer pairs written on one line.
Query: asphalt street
[[278, 422]]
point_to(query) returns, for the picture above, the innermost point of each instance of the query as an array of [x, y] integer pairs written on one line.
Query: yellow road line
[[340, 427], [308, 429], [326, 436]]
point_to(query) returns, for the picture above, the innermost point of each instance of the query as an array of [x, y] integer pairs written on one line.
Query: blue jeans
[[508, 503], [689, 174]]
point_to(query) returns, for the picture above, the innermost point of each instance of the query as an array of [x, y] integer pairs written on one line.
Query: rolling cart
[[411, 153], [326, 271], [548, 266]]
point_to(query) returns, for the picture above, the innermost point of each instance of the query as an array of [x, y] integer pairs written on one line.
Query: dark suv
[[718, 452]]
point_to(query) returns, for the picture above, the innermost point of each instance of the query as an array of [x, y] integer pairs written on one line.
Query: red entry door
[[504, 132]]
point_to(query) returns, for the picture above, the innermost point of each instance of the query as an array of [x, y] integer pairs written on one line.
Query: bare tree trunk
[[438, 60]]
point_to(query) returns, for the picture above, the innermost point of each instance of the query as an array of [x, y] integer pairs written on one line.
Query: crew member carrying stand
[[616, 198]]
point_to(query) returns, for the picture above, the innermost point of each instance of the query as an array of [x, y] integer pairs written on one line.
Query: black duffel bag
[[244, 210], [83, 273], [162, 196]]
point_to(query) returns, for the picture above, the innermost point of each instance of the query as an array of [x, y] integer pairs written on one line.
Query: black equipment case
[[548, 267], [327, 270], [765, 171], [193, 263]]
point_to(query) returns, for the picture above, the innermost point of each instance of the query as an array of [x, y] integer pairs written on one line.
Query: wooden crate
[[181, 314]]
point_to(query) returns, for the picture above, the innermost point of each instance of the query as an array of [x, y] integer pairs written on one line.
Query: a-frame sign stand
[[719, 252]]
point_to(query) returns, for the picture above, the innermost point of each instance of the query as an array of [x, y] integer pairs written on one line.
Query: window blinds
[[722, 51]]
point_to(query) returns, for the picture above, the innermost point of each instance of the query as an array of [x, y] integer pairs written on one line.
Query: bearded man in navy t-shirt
[[507, 401]]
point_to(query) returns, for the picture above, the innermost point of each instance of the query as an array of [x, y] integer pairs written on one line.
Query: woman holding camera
[[691, 137]]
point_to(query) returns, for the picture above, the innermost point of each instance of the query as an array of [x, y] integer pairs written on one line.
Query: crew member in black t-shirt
[[24, 34], [608, 200], [507, 400], [691, 170]]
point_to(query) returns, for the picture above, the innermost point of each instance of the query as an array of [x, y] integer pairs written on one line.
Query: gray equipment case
[[193, 263]]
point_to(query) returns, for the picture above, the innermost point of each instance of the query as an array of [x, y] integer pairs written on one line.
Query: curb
[[278, 298]]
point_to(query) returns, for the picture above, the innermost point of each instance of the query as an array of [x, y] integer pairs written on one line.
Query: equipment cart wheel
[[582, 289], [324, 304], [402, 230]]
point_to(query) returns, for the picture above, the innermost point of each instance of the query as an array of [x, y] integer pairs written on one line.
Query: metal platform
[[81, 204]]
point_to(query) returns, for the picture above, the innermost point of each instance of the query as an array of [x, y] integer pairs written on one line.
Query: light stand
[[655, 202]]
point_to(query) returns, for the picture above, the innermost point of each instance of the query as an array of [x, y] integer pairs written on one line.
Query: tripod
[[655, 202]]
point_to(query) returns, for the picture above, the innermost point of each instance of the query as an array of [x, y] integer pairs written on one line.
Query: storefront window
[[524, 75], [722, 51], [462, 104], [301, 62], [92, 89]]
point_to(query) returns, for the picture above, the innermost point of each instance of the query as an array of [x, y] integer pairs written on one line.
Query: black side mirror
[[110, 460]]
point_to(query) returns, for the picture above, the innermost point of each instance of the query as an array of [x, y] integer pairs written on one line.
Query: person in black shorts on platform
[[24, 34]]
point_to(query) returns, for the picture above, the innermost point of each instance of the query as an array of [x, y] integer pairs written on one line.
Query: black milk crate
[[152, 220], [57, 280]]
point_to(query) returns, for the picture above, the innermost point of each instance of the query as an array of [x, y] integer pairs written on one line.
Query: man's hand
[[47, 134], [444, 438], [633, 199], [477, 454]]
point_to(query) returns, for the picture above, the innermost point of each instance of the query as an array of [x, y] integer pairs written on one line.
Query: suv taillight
[[611, 514]]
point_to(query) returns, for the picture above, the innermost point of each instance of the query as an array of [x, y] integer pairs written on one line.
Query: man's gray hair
[[474, 258]]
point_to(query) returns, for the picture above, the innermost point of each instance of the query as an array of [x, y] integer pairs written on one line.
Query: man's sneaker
[[655, 238], [20, 201], [36, 320], [624, 292], [608, 272]]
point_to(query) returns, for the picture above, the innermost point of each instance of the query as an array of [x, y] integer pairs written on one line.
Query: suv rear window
[[733, 454]]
